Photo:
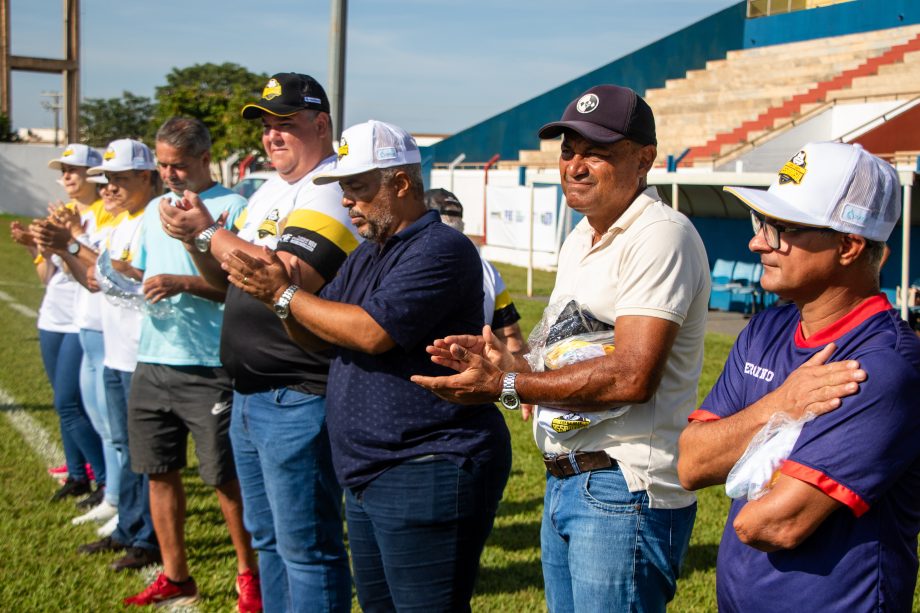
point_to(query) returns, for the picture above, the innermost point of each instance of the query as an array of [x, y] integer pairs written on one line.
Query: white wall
[[27, 185]]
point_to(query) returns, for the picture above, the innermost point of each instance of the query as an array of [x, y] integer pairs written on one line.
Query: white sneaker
[[108, 527], [100, 513]]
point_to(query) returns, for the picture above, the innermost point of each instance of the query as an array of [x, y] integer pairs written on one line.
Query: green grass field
[[40, 570]]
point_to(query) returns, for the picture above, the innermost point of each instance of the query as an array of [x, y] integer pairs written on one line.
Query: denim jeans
[[61, 354], [416, 533], [292, 503], [135, 524], [604, 549], [92, 390]]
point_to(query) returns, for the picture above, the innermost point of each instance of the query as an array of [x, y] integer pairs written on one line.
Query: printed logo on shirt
[[758, 372], [220, 407], [269, 226]]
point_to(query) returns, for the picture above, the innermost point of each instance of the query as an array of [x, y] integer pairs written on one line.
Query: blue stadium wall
[[834, 20]]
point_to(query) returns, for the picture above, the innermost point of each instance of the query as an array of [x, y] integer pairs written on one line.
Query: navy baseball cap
[[444, 202], [287, 93], [606, 114]]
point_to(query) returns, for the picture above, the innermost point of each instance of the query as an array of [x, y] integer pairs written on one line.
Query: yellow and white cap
[[371, 145], [125, 154], [831, 185], [76, 154]]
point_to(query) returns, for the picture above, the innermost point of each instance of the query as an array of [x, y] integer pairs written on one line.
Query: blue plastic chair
[[749, 295], [721, 276]]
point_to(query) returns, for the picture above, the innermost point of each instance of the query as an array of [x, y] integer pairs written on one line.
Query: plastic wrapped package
[[754, 474], [125, 292], [567, 334]]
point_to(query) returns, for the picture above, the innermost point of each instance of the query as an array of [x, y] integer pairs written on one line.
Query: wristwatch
[[509, 396], [73, 248], [283, 306], [203, 240]]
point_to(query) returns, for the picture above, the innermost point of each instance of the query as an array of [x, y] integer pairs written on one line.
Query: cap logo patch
[[855, 214], [67, 153], [794, 170], [109, 154], [272, 89], [343, 149], [386, 153], [312, 100], [587, 103]]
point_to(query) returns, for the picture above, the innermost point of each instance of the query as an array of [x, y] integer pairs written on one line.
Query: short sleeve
[[661, 273], [505, 312], [318, 231], [726, 397], [855, 453], [139, 260], [415, 295]]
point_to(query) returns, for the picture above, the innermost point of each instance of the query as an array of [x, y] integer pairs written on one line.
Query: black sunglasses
[[772, 230]]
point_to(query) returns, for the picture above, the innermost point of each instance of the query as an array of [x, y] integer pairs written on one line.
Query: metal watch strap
[[283, 306], [509, 396], [203, 240]]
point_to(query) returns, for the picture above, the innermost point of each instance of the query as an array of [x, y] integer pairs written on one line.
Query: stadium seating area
[[736, 287]]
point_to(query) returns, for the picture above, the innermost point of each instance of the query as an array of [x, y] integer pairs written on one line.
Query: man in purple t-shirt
[[838, 528]]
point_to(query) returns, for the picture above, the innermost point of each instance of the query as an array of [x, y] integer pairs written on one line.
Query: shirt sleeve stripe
[[314, 249], [241, 220], [703, 415], [328, 227], [827, 485], [505, 316], [502, 300]]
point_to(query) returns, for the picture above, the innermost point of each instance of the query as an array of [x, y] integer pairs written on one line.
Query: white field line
[[19, 308], [34, 434]]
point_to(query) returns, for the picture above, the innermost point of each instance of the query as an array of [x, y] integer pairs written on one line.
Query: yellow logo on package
[[343, 149], [108, 155], [569, 422], [272, 89], [794, 170]]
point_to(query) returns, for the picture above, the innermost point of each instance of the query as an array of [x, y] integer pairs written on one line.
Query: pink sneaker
[[250, 590], [58, 472]]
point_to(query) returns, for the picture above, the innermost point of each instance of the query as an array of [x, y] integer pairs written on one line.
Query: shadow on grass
[[516, 537], [510, 578], [30, 408], [700, 558], [515, 507]]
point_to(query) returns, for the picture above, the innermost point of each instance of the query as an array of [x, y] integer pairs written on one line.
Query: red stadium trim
[[866, 309], [827, 485], [703, 415]]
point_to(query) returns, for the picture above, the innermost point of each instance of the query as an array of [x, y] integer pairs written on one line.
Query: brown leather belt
[[571, 464]]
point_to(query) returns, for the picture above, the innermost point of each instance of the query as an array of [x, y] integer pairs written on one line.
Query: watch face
[[73, 248], [203, 243], [510, 401], [282, 310]]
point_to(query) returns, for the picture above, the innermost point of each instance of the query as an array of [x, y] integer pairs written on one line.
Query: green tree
[[214, 93], [7, 135], [103, 120]]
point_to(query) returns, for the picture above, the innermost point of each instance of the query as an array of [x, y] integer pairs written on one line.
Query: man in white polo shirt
[[616, 522]]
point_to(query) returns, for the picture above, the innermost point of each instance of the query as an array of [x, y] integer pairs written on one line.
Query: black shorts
[[169, 402]]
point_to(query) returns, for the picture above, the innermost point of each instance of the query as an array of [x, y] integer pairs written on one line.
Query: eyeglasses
[[772, 230]]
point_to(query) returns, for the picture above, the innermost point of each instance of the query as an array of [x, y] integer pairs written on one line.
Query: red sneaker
[[164, 592], [249, 588], [58, 471]]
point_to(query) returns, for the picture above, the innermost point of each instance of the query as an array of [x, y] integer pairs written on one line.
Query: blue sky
[[427, 65]]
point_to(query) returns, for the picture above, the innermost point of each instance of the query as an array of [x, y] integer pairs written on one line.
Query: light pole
[[54, 105]]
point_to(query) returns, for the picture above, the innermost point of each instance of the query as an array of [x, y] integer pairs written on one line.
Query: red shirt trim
[[866, 309], [827, 485], [703, 415]]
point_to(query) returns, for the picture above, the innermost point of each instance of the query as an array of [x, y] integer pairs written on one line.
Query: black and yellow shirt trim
[[321, 241]]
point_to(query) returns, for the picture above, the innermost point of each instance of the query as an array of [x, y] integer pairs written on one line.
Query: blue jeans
[[416, 533], [135, 524], [604, 549], [292, 504], [92, 390], [62, 354]]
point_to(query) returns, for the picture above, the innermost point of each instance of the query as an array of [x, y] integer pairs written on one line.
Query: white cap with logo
[[125, 154], [832, 185], [371, 145], [76, 154]]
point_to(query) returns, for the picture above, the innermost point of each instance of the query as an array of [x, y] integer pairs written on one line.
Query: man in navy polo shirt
[[838, 529], [423, 477]]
